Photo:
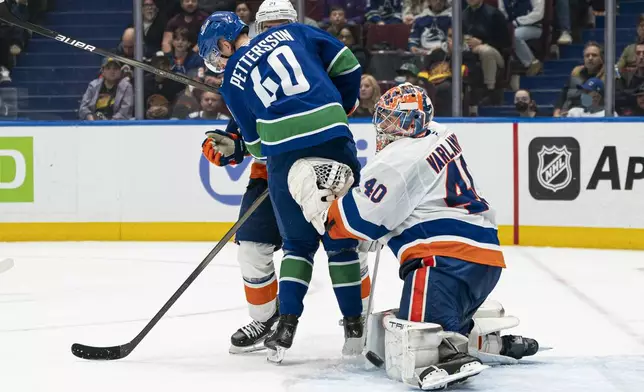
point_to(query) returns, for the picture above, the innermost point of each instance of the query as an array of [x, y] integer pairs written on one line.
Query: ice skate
[[353, 336], [251, 337], [453, 370], [281, 337], [518, 347]]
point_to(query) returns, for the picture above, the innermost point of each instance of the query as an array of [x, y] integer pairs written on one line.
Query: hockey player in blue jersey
[[259, 237], [290, 90]]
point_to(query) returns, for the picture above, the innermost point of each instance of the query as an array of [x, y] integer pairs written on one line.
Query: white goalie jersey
[[418, 196]]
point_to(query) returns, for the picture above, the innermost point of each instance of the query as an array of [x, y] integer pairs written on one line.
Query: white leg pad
[[410, 345], [485, 338]]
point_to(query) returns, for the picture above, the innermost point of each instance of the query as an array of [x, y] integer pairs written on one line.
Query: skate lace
[[253, 329]]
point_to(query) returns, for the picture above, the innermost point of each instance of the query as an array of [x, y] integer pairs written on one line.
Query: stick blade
[[100, 353]]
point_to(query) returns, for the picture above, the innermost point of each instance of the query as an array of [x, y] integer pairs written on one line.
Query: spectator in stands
[[243, 11], [154, 84], [184, 106], [593, 68], [183, 59], [525, 105], [109, 97], [636, 107], [486, 33], [337, 20], [630, 80], [413, 8], [436, 78], [346, 36], [212, 107], [430, 28], [526, 16], [369, 96], [628, 58], [407, 73], [384, 11], [190, 17], [562, 13], [354, 10], [158, 108], [126, 46], [211, 6], [307, 21], [153, 27], [592, 100], [12, 41]]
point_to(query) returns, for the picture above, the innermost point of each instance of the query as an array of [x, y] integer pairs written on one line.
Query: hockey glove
[[223, 148]]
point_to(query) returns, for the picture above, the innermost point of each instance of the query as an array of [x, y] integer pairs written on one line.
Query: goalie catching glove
[[222, 148], [314, 183]]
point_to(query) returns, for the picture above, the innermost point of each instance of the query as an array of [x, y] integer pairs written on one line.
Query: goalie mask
[[403, 111], [273, 11]]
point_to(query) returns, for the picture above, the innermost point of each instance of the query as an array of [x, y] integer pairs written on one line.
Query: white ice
[[587, 304]]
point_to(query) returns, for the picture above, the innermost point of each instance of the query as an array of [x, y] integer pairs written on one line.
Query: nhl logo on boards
[[554, 168]]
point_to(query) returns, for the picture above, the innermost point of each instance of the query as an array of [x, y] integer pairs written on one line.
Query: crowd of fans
[[395, 41], [12, 39]]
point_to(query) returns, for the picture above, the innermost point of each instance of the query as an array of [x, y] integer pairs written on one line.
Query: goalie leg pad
[[409, 345]]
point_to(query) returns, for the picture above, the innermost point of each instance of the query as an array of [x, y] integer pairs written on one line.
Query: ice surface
[[587, 304]]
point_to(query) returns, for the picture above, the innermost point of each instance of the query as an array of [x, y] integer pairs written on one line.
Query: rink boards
[[563, 183]]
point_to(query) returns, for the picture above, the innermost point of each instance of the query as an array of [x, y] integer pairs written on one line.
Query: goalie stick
[[370, 355], [6, 265], [8, 17], [122, 351]]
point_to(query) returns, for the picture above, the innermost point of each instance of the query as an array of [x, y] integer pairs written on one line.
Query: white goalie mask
[[274, 10]]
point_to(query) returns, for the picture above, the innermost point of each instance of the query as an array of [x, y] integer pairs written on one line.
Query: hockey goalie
[[418, 197]]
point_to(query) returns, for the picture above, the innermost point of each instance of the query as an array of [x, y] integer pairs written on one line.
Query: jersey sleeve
[[245, 120], [340, 63], [378, 206]]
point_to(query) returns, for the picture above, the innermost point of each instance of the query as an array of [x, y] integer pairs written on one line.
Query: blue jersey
[[291, 88]]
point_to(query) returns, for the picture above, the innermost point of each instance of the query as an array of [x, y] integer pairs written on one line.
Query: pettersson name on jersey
[[266, 45]]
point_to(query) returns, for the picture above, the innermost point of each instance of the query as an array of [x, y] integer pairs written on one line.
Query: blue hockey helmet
[[220, 25]]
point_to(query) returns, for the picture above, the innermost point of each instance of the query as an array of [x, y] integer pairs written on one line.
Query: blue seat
[[60, 60], [70, 87], [623, 35], [46, 45], [542, 97], [50, 102], [550, 82], [621, 20], [47, 74], [89, 17], [631, 7]]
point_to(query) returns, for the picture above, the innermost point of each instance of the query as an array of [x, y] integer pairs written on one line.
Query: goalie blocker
[[425, 356]]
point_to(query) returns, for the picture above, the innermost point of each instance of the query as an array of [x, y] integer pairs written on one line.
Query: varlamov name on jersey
[[266, 45], [444, 153]]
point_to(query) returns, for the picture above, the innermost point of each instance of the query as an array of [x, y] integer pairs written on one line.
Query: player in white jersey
[[259, 237], [418, 197]]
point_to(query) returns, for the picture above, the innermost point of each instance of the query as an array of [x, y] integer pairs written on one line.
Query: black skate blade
[[100, 353]]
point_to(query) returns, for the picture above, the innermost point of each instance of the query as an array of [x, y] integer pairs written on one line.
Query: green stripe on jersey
[[345, 62], [255, 149], [300, 125], [296, 268], [345, 274]]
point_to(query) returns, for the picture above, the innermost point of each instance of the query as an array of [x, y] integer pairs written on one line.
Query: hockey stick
[[122, 351], [8, 17], [6, 265], [370, 355]]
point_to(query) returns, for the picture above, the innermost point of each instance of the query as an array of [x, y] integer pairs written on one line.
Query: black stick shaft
[[8, 17], [118, 352]]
